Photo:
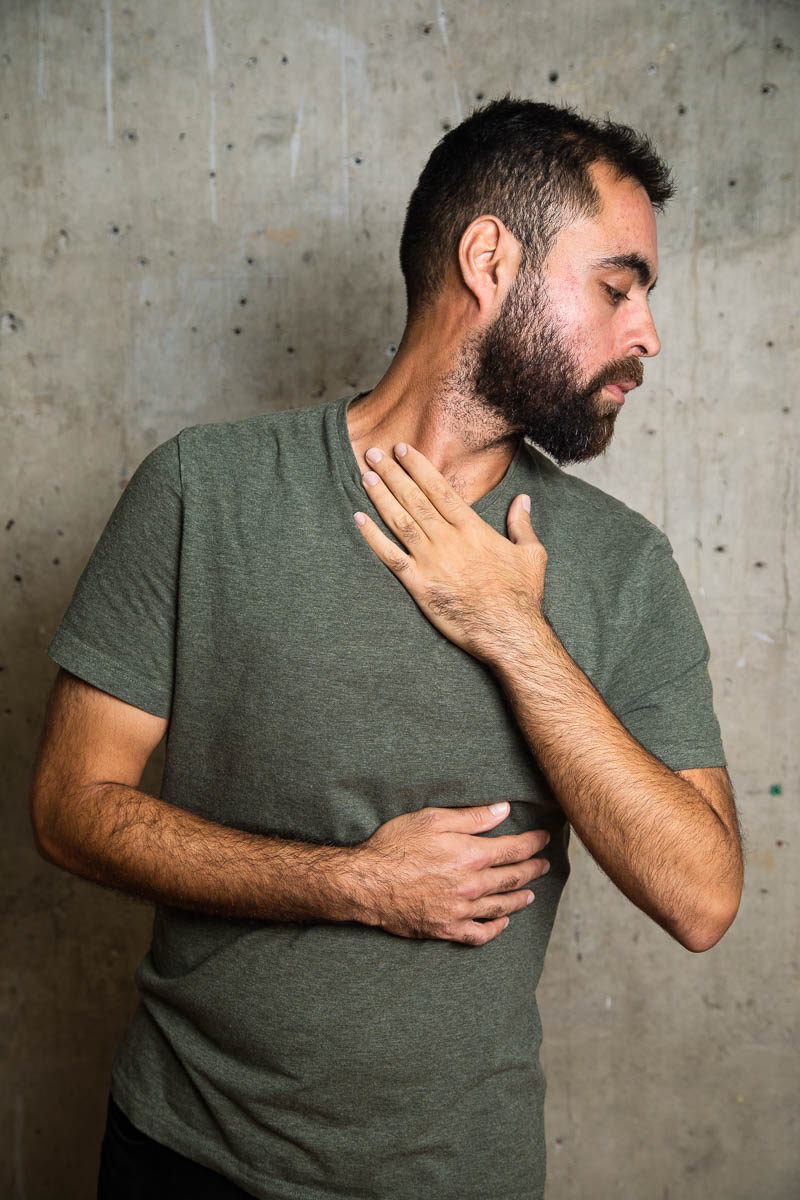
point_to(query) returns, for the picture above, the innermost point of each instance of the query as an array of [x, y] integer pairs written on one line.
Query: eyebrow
[[629, 262]]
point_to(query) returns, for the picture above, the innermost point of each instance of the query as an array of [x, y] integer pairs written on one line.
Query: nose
[[642, 337]]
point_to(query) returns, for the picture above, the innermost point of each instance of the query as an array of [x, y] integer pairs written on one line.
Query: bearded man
[[374, 632]]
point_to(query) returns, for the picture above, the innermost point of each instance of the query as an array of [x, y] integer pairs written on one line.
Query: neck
[[425, 399]]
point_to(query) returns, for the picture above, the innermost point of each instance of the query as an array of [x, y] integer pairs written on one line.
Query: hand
[[481, 590], [427, 875]]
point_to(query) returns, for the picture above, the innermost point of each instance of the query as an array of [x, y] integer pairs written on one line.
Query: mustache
[[623, 370]]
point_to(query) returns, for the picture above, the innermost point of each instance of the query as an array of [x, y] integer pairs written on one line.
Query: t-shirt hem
[[140, 1112], [101, 671]]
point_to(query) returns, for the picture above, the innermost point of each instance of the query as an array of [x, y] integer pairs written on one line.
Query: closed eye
[[614, 294]]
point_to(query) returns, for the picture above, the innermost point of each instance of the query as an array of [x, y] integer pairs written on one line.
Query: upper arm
[[90, 738], [714, 785]]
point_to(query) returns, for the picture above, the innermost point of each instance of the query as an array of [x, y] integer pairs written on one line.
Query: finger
[[392, 512], [518, 521], [511, 848], [492, 907], [402, 487], [390, 555], [476, 819], [439, 492], [478, 933], [505, 879]]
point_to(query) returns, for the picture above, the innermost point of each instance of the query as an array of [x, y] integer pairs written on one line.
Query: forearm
[[122, 838], [653, 833]]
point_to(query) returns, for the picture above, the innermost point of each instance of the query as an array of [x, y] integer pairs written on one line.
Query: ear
[[488, 257]]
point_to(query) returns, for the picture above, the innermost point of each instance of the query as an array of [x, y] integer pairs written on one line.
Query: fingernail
[[373, 455], [530, 899], [371, 478], [400, 449], [526, 503], [500, 806], [545, 868], [359, 518]]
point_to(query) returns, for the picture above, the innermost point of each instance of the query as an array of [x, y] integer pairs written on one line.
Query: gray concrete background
[[201, 204]]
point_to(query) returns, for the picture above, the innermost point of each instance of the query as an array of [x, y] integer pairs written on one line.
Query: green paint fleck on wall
[[776, 790]]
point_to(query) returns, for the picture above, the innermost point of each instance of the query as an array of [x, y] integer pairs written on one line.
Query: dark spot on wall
[[252, 62], [479, 95], [768, 89], [786, 408], [650, 432], [358, 161], [778, 44], [212, 174], [181, 137], [284, 60], [113, 230], [6, 60], [770, 344], [6, 116], [720, 549], [681, 110], [426, 29], [290, 349], [2, 668], [759, 564], [148, 304], [652, 68], [131, 135], [56, 562], [249, 261], [237, 330], [11, 323], [8, 711], [553, 76], [731, 183], [243, 301], [764, 891], [10, 523], [144, 262], [308, 256], [194, 329], [778, 841], [17, 579], [391, 349], [229, 146], [60, 532], [446, 126]]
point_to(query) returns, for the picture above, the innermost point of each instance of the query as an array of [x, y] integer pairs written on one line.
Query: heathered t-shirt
[[308, 697]]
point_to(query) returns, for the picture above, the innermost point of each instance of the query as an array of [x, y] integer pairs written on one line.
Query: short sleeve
[[118, 632], [661, 689]]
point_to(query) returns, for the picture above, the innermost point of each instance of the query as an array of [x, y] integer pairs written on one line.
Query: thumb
[[519, 520]]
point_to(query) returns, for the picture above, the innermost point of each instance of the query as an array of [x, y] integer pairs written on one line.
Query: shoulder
[[226, 445], [582, 513]]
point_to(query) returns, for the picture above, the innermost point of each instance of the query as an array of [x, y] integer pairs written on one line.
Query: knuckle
[[408, 530]]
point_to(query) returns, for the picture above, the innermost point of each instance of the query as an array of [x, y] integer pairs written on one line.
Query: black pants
[[134, 1167]]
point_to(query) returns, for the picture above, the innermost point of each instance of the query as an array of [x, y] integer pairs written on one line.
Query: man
[[364, 660]]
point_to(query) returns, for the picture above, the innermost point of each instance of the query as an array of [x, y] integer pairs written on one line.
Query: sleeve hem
[[98, 669]]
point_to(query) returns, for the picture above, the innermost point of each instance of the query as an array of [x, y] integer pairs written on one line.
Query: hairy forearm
[[653, 833], [123, 838]]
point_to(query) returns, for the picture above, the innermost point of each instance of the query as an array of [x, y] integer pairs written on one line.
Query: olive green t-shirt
[[308, 697]]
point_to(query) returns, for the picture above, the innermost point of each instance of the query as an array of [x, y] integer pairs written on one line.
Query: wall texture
[[200, 210]]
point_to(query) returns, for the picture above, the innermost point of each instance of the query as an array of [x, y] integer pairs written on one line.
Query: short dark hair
[[526, 163]]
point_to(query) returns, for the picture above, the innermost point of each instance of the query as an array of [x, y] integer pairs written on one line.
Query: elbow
[[711, 924]]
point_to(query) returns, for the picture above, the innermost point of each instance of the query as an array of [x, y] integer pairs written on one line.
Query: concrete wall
[[201, 204]]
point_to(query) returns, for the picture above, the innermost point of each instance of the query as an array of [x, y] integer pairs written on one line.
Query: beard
[[522, 372]]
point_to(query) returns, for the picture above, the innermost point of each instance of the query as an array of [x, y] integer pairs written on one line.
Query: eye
[[614, 294]]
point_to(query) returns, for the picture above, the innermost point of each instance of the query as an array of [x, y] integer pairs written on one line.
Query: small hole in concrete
[[553, 76]]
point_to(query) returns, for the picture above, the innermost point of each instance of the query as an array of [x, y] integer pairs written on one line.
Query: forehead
[[623, 230]]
